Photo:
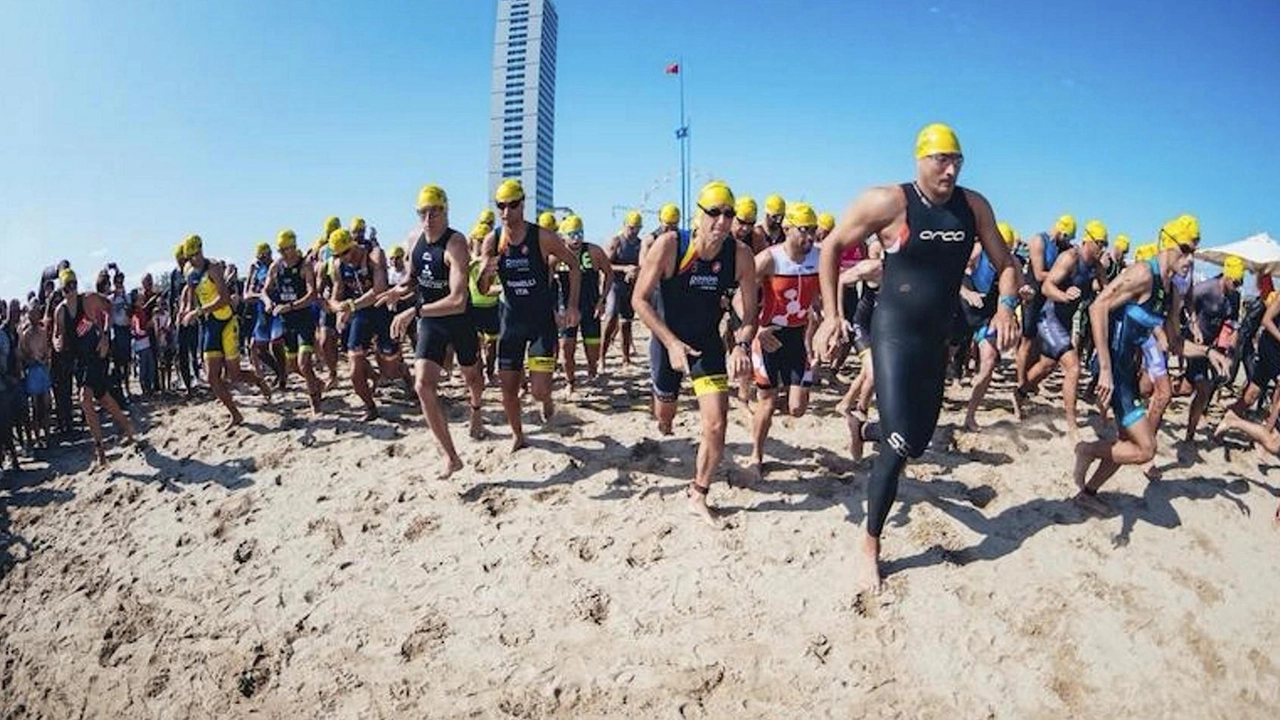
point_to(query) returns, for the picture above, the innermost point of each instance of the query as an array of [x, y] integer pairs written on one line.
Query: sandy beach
[[317, 569]]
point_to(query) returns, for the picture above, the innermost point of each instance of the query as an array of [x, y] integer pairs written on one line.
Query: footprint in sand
[[427, 637]]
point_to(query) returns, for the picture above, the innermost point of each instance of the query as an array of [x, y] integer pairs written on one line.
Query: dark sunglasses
[[718, 212], [508, 205]]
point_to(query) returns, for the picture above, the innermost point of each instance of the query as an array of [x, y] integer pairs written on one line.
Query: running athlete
[[266, 346], [439, 266], [1042, 250], [979, 295], [547, 221], [1266, 366], [1069, 283], [624, 258], [855, 319], [320, 257], [596, 285], [520, 254], [692, 273], [484, 305], [929, 227], [1215, 308], [788, 275], [360, 278], [668, 221], [207, 298], [1147, 295], [826, 223], [775, 210], [80, 329], [289, 293]]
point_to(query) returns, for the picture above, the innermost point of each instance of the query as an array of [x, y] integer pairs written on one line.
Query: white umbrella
[[1261, 254]]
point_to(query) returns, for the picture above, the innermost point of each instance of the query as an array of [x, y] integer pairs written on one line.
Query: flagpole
[[682, 135]]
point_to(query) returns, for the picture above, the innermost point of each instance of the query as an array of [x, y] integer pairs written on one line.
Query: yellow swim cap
[[1121, 244], [340, 241], [1184, 229], [357, 225], [801, 215], [331, 224], [66, 276], [479, 230], [486, 217], [397, 251], [937, 139], [571, 225], [509, 190], [745, 209], [192, 245], [669, 214], [715, 194], [547, 220], [827, 221], [432, 196], [286, 239], [1146, 252], [775, 205], [1007, 233], [1066, 225], [1095, 231], [261, 249], [633, 219], [180, 252], [1233, 268]]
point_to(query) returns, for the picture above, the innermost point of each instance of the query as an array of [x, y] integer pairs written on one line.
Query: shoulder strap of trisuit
[[686, 253]]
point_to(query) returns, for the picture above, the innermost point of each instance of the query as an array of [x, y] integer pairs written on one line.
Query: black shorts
[[370, 329], [1031, 316], [1055, 337], [788, 366], [486, 320], [540, 343], [1267, 363], [590, 327], [708, 370], [299, 332], [622, 299], [91, 373], [437, 334]]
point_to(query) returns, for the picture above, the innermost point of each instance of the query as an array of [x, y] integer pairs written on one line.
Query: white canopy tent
[[1261, 254]]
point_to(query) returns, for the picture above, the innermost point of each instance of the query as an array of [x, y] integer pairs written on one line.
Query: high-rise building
[[522, 120]]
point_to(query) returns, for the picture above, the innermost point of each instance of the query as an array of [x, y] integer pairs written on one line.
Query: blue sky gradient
[[130, 124]]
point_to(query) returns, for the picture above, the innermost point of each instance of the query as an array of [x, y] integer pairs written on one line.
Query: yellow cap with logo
[[1066, 226], [633, 219], [801, 215], [715, 194], [1121, 244], [937, 139], [432, 196], [1233, 268], [669, 214], [746, 209], [827, 221], [571, 225], [1182, 230], [340, 241], [192, 245], [509, 190], [286, 239], [1095, 231], [547, 221], [1007, 233], [775, 205]]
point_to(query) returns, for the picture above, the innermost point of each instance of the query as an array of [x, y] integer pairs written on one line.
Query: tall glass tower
[[523, 114]]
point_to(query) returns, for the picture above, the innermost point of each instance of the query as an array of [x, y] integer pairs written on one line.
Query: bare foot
[[331, 383], [451, 467], [518, 443], [972, 425], [477, 424], [664, 427], [370, 414], [855, 421], [754, 470], [867, 573], [1081, 471], [1228, 418], [1019, 404], [548, 409], [236, 419], [1091, 503], [1073, 434], [99, 459], [697, 496]]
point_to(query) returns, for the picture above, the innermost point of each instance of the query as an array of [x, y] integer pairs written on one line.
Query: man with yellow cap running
[[207, 298], [781, 357], [668, 221], [289, 294], [266, 345], [520, 256], [596, 285], [1070, 283], [979, 300], [439, 267], [624, 257], [188, 336], [928, 228], [484, 305], [691, 273], [321, 254], [1215, 308], [1042, 252]]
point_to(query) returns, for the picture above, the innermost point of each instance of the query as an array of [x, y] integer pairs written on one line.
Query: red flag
[[673, 69]]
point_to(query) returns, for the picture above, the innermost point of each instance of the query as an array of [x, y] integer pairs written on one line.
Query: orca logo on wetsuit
[[943, 235], [899, 444]]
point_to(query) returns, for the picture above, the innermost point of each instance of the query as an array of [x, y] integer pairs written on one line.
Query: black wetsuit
[[922, 275], [627, 253], [528, 317], [437, 334]]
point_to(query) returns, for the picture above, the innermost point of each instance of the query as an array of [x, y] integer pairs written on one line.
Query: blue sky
[[130, 124]]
